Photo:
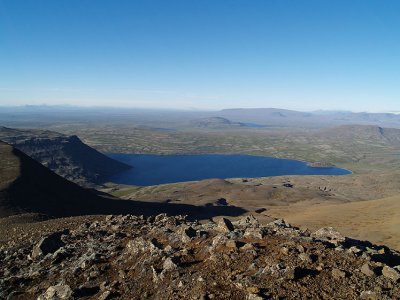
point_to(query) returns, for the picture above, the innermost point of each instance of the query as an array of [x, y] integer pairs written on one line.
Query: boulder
[[329, 234], [252, 232], [225, 225], [391, 273], [187, 233], [278, 223], [56, 292], [367, 269], [369, 295], [48, 244], [247, 221], [305, 257], [337, 273], [170, 264], [137, 245], [232, 244]]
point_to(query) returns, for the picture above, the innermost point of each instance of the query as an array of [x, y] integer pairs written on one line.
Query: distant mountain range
[[65, 155], [288, 118], [38, 116]]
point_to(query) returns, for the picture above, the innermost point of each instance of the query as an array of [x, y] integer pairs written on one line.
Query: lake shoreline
[[154, 169]]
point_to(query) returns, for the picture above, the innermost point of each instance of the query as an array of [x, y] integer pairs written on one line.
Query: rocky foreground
[[131, 257]]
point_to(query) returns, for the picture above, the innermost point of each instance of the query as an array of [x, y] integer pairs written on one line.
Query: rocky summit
[[165, 257]]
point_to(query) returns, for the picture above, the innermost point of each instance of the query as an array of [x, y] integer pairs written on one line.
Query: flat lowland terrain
[[371, 152], [362, 206], [362, 149]]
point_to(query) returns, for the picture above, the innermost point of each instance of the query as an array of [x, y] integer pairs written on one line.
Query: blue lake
[[159, 169]]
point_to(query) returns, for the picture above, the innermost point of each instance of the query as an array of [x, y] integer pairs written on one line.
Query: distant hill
[[390, 136], [216, 122], [269, 116], [262, 112], [68, 156]]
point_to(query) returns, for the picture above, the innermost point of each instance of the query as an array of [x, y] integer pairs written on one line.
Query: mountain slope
[[27, 186], [289, 118], [65, 155]]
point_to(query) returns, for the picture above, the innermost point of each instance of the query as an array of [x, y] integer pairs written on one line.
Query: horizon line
[[192, 109]]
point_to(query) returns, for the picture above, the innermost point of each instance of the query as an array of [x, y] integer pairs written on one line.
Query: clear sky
[[210, 54]]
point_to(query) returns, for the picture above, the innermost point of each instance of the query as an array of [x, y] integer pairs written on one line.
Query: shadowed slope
[[27, 186]]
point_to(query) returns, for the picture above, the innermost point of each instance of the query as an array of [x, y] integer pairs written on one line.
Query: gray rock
[[367, 269], [337, 273], [187, 234], [279, 223], [252, 296], [368, 295], [305, 257], [170, 264], [329, 234], [57, 292], [161, 218], [284, 250], [249, 247], [258, 233], [232, 244], [156, 275], [136, 246], [218, 240], [105, 295], [390, 273], [225, 225], [48, 244], [355, 250], [248, 221]]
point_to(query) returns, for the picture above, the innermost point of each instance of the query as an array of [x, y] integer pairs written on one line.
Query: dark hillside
[[27, 186], [65, 155]]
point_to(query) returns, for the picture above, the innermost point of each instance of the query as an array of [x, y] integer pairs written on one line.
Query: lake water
[[159, 169]]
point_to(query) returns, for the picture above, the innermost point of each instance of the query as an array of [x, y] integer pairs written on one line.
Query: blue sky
[[206, 54]]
